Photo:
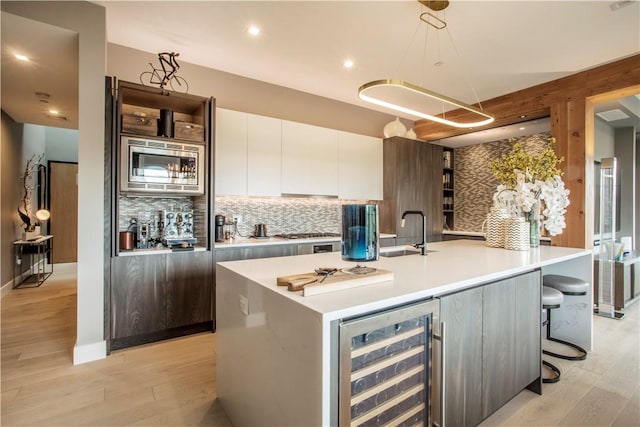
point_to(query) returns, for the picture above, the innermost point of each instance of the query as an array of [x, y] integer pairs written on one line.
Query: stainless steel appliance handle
[[443, 359]]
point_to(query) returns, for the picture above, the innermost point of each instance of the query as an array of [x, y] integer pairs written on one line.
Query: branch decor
[[27, 186]]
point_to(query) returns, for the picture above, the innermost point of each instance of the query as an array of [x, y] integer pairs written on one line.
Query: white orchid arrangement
[[527, 193], [529, 181]]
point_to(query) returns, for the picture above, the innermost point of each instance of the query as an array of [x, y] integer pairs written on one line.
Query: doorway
[[63, 205]]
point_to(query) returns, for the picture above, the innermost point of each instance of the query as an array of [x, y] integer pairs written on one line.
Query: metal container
[[126, 241]]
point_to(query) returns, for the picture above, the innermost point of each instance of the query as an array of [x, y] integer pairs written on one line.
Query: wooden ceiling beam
[[536, 101]]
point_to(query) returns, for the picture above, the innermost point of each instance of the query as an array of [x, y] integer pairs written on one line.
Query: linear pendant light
[[408, 98], [365, 92]]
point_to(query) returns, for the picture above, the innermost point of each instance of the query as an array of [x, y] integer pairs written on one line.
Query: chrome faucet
[[422, 245]]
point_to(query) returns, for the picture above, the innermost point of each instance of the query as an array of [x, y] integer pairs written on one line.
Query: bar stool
[[551, 298], [568, 286]]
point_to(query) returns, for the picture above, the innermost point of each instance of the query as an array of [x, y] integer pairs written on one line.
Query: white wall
[[239, 93], [61, 144], [604, 140], [89, 21]]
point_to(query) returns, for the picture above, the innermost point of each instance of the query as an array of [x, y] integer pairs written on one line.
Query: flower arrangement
[[527, 181], [25, 214]]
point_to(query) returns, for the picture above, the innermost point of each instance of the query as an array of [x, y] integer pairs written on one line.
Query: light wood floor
[[173, 383]]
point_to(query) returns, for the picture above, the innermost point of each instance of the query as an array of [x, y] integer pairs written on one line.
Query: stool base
[[563, 356], [555, 370]]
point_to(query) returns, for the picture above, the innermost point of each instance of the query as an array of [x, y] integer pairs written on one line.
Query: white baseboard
[[89, 352], [6, 288]]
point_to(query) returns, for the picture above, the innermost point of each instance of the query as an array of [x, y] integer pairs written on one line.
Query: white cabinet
[[248, 154], [264, 161], [231, 152], [309, 159], [263, 156], [359, 167]]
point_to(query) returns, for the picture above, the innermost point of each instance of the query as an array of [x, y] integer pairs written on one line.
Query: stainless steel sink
[[400, 251]]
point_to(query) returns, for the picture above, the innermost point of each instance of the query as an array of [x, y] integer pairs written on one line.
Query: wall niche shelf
[[447, 188]]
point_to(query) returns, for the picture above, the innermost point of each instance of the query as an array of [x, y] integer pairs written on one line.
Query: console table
[[38, 250]]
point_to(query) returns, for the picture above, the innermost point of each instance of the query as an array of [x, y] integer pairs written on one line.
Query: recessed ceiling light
[[348, 63], [253, 30], [22, 58], [54, 111], [522, 128]]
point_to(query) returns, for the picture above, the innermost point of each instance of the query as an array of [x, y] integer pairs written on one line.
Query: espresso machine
[[144, 229], [177, 231]]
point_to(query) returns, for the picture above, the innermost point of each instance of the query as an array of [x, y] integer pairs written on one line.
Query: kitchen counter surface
[[242, 242], [157, 251], [452, 266]]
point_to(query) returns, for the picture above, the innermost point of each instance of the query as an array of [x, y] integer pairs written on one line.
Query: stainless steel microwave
[[154, 166]]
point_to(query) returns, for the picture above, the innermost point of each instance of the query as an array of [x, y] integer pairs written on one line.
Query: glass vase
[[534, 225]]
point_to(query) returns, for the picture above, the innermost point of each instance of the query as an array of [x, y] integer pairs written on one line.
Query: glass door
[[386, 368]]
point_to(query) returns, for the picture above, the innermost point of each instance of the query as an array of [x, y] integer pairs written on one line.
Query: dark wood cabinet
[[498, 350], [153, 296], [492, 346], [462, 315], [412, 181], [138, 296], [270, 251], [511, 339], [189, 281]]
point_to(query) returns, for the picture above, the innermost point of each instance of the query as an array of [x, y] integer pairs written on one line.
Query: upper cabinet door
[[359, 167], [309, 160], [231, 153], [264, 163]]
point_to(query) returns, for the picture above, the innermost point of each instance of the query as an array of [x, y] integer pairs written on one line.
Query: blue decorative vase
[[360, 233]]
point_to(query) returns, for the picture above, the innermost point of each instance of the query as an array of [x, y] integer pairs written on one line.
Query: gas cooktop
[[306, 235]]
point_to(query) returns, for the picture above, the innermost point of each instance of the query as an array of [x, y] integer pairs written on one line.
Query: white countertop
[[453, 266], [242, 242], [477, 234]]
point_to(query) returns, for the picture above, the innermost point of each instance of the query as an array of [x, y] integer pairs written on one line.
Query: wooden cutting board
[[310, 284]]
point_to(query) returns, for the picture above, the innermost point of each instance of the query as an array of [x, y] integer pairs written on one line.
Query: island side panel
[[269, 361], [573, 321]]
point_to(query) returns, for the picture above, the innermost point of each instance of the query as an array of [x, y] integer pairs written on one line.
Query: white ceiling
[[489, 48]]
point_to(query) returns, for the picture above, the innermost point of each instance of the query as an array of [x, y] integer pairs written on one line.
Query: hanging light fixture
[[415, 100]]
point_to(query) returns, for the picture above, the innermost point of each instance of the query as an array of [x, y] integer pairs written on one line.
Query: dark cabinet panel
[[492, 339], [138, 296], [498, 352], [462, 315], [412, 181], [270, 251], [189, 281], [527, 328]]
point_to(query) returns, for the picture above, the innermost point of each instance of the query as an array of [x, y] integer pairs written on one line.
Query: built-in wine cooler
[[390, 368]]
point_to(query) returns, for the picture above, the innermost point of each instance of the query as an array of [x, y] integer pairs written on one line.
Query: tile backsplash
[[150, 207], [474, 182], [284, 215]]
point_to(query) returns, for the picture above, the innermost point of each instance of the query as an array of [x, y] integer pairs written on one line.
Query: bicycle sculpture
[[166, 74]]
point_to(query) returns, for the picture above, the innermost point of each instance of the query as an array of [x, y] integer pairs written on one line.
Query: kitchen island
[[276, 349]]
